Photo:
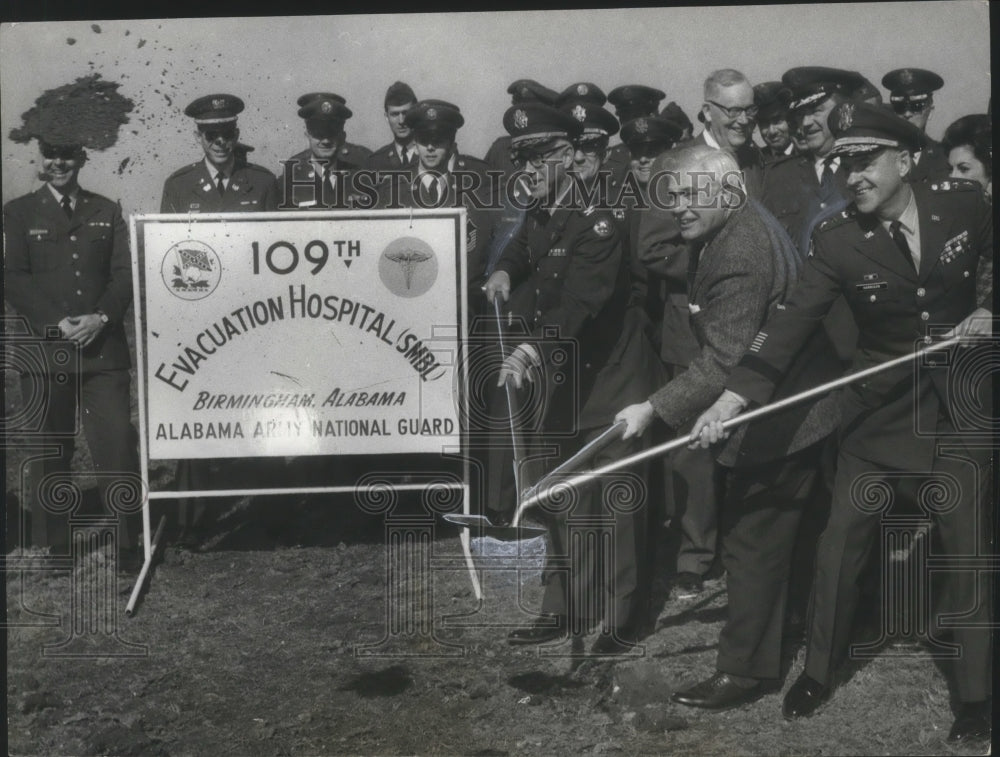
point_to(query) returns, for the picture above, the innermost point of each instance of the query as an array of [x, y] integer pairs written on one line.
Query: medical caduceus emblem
[[408, 267], [408, 260]]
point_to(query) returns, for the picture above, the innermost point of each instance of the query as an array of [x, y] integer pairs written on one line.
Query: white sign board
[[286, 334]]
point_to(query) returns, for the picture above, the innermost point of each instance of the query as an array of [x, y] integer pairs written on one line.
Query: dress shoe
[[972, 722], [547, 628], [720, 692], [687, 585], [620, 641], [804, 697]]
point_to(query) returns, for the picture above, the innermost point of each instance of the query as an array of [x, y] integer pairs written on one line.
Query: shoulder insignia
[[619, 214], [603, 227], [836, 220], [185, 169]]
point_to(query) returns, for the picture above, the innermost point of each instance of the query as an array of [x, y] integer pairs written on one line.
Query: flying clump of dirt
[[89, 112]]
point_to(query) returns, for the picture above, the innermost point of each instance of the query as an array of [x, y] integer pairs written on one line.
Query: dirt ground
[[293, 629]]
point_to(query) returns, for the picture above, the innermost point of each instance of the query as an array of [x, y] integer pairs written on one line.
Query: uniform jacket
[[304, 195], [386, 158], [192, 190], [794, 196], [894, 306], [569, 285], [498, 156], [480, 226], [57, 266], [933, 165]]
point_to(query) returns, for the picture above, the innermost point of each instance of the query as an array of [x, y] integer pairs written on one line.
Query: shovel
[[540, 493]]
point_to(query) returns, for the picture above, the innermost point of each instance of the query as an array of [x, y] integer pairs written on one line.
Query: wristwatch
[[104, 317]]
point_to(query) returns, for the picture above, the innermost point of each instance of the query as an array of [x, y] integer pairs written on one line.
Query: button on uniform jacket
[[56, 266]]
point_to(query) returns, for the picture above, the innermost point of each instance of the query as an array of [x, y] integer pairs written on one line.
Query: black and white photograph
[[496, 382]]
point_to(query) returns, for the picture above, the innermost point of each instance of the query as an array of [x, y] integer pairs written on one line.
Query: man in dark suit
[[565, 272], [68, 272], [219, 182], [400, 154], [320, 177], [913, 260], [741, 267], [911, 95]]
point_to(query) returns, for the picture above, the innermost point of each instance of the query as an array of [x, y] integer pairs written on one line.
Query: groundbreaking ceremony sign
[[293, 334]]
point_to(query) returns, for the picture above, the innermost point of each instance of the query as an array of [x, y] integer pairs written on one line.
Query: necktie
[[328, 191], [827, 178], [896, 232], [219, 179], [433, 192], [67, 206]]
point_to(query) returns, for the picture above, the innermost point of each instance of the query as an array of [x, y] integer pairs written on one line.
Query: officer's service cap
[[811, 85], [215, 109], [595, 120], [911, 84], [533, 123], [435, 118], [635, 96], [528, 90], [582, 91], [653, 129], [862, 128]]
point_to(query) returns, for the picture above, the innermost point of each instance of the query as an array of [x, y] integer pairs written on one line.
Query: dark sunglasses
[[908, 106], [591, 146], [648, 149], [50, 152], [213, 134]]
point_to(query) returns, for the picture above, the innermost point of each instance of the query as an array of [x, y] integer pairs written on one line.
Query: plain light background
[[466, 58]]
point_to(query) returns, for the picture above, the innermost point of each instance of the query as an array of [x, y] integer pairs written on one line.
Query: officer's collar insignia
[[236, 187], [846, 118], [935, 218], [619, 214], [869, 234], [580, 113], [520, 119]]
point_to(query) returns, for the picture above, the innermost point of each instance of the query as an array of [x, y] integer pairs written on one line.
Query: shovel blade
[[501, 533]]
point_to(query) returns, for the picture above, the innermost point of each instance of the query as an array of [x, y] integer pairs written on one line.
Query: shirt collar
[[908, 219], [213, 170], [710, 140], [59, 195]]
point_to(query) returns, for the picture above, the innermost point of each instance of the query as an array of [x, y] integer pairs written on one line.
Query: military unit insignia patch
[[602, 227]]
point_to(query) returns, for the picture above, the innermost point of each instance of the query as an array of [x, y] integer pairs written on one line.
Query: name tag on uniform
[[557, 252], [39, 233], [869, 285], [248, 202]]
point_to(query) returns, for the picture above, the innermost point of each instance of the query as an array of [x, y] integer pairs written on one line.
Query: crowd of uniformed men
[[698, 276]]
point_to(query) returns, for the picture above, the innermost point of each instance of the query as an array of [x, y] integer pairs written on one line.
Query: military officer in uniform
[[218, 183], [564, 272], [772, 98], [586, 93], [591, 149], [68, 272], [320, 176], [631, 101], [911, 95], [498, 157], [914, 260], [400, 154], [805, 186], [443, 178]]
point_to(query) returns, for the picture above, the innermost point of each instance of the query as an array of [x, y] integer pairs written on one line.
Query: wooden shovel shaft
[[661, 449]]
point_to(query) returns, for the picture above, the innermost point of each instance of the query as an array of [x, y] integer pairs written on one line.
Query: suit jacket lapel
[[52, 211]]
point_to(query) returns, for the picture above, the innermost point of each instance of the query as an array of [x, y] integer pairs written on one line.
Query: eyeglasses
[[591, 146], [212, 135], [734, 113], [535, 159], [910, 106]]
